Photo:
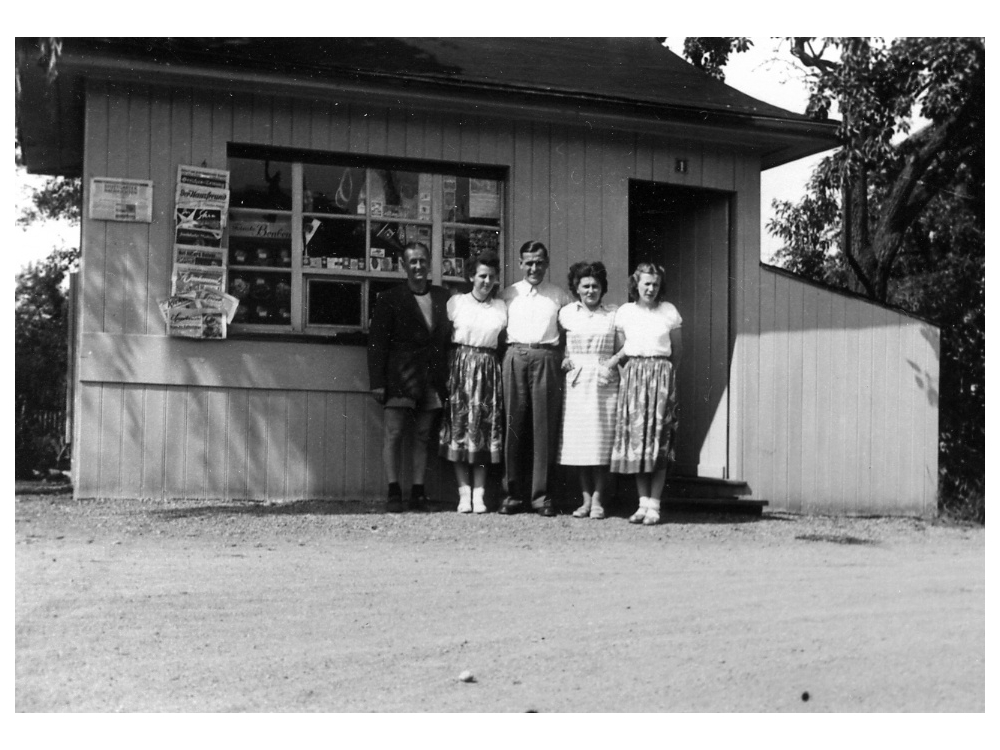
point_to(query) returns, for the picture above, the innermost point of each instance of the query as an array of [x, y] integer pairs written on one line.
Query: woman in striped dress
[[646, 417], [472, 420], [590, 393]]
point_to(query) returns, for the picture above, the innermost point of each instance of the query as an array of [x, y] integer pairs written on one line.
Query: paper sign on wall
[[114, 199]]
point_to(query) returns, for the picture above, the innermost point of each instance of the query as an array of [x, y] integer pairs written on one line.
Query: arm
[[676, 348], [378, 348]]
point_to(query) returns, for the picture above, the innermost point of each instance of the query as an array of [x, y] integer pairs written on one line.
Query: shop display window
[[314, 237]]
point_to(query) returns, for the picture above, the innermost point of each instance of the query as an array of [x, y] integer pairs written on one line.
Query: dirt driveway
[[187, 606]]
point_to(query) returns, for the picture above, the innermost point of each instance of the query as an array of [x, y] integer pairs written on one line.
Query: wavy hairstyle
[[587, 269], [487, 258], [648, 268]]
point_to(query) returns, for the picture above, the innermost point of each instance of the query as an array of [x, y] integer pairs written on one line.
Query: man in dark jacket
[[408, 368]]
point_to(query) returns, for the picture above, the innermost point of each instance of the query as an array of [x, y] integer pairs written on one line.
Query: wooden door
[[687, 231]]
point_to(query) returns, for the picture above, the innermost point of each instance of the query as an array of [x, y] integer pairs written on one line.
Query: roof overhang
[[50, 115]]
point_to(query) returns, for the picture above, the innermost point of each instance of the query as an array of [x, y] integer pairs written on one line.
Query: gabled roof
[[633, 76]]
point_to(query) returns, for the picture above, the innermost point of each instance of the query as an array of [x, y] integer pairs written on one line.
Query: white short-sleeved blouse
[[476, 323], [647, 332]]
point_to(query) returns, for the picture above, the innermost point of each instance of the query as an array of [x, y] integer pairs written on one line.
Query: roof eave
[[776, 140]]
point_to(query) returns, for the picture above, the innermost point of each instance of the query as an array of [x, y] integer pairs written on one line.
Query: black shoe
[[394, 503], [510, 506], [419, 502], [547, 510]]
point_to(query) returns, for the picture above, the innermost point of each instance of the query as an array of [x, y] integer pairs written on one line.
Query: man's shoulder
[[555, 292], [509, 292], [440, 293], [394, 292]]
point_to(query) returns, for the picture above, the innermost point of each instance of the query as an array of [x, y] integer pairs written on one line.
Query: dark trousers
[[532, 388]]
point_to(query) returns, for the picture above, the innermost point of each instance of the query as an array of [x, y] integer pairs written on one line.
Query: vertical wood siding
[[846, 414], [568, 187]]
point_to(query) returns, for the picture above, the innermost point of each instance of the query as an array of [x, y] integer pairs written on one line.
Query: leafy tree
[[41, 321], [59, 198], [899, 216], [41, 325]]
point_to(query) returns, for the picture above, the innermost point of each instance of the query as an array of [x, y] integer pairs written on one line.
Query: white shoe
[[478, 500], [464, 500]]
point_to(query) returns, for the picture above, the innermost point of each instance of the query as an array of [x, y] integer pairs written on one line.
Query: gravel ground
[[196, 606]]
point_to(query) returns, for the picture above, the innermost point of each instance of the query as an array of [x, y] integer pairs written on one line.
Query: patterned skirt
[[646, 417], [472, 420]]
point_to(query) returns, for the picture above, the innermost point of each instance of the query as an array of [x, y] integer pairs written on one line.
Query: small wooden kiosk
[[335, 152]]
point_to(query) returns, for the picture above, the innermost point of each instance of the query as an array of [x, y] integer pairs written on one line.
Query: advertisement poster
[[280, 229], [200, 315], [187, 279], [120, 200], [195, 196], [192, 255], [217, 179], [484, 199], [198, 226]]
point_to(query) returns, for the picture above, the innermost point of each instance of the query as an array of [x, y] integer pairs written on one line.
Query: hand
[[606, 375], [567, 365], [379, 395]]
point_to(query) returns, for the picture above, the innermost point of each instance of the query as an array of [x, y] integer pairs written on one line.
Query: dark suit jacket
[[404, 357]]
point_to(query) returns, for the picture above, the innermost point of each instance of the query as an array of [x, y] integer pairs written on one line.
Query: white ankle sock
[[464, 499], [478, 499]]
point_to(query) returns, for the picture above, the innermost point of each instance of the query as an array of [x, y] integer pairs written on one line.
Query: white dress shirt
[[533, 312]]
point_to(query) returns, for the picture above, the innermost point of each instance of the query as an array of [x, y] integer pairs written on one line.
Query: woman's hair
[[649, 268], [487, 258], [533, 246], [587, 269]]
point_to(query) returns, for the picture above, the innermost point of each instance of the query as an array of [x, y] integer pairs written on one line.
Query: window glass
[[262, 240], [333, 302], [256, 183], [393, 194], [354, 222], [334, 243], [332, 190], [265, 297], [460, 245], [471, 200]]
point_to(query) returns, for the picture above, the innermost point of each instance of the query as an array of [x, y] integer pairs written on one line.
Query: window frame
[[301, 273]]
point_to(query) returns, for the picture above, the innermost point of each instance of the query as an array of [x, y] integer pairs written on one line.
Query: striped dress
[[588, 425]]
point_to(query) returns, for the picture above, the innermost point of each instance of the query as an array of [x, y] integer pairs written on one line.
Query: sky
[[762, 72]]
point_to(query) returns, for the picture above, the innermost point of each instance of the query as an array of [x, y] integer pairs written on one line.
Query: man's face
[[534, 266], [417, 265]]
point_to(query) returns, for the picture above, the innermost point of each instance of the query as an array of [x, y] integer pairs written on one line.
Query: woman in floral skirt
[[646, 417], [472, 423]]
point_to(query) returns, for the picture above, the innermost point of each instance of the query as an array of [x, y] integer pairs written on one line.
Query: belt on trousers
[[518, 345]]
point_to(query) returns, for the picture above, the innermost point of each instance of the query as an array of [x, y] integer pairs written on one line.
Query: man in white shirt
[[532, 383]]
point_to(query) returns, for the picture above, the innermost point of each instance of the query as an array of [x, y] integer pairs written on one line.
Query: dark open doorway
[[686, 230]]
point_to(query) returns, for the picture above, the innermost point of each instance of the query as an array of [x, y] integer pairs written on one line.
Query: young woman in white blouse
[[472, 421], [646, 415]]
